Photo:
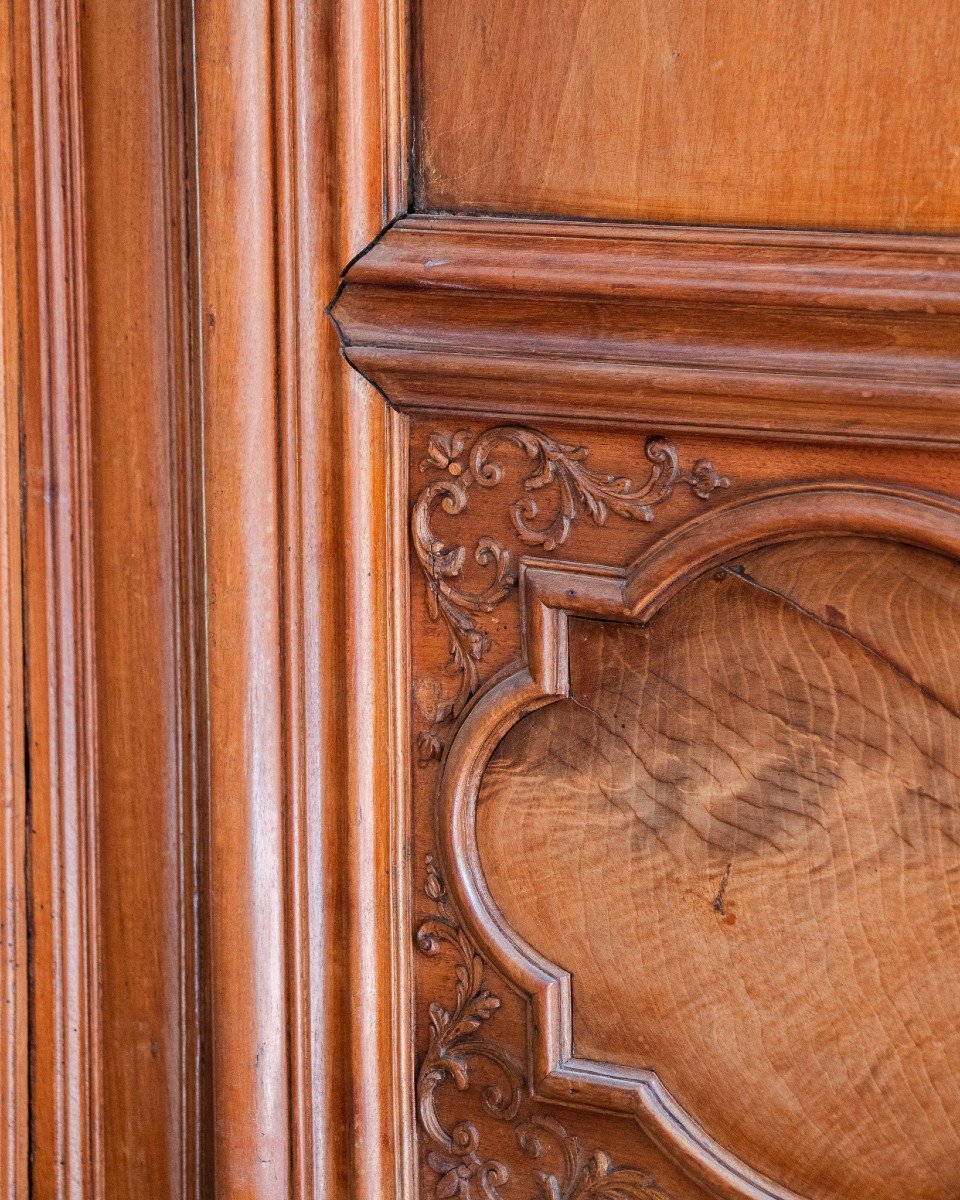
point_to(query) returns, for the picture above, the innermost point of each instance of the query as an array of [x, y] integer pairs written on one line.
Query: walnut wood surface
[[738, 836], [193, 1018], [140, 580], [805, 333], [264, 600], [65, 1144], [752, 113], [14, 1088]]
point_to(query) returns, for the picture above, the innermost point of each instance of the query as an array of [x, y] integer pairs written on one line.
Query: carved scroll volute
[[559, 473]]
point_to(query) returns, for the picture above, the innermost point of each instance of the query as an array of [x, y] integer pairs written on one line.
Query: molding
[[175, 78], [558, 468], [550, 593], [803, 336], [301, 160], [280, 126], [340, 135], [147, 596], [66, 1110], [14, 1050], [92, 600]]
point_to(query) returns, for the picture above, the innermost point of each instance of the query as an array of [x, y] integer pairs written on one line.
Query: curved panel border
[[551, 592]]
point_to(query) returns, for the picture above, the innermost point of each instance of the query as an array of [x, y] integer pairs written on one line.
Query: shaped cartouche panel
[[739, 834]]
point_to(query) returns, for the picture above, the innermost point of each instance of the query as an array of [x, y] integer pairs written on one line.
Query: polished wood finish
[[345, 481], [142, 609], [552, 594], [66, 1143], [339, 513], [814, 116], [14, 1089], [242, 652], [188, 1037], [750, 799], [814, 335], [113, 1001]]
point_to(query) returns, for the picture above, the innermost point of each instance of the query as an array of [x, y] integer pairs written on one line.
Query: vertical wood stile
[[342, 177], [371, 187], [135, 281]]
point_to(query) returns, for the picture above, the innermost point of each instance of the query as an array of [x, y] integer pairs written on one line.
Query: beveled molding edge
[[551, 592], [849, 337]]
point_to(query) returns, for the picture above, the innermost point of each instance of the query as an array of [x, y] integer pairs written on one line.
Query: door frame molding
[[286, 155]]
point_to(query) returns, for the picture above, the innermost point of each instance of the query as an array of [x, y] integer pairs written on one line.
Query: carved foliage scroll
[[559, 1169], [467, 462]]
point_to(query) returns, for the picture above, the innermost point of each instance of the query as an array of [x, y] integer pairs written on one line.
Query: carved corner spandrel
[[482, 1133], [558, 491]]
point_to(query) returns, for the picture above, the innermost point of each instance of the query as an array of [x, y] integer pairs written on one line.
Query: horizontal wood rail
[[723, 329]]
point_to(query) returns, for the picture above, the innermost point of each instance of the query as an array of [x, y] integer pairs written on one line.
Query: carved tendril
[[592, 1178], [558, 466], [455, 1041], [453, 1045]]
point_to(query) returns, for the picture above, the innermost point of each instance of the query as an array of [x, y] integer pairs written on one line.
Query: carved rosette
[[558, 467], [559, 1170]]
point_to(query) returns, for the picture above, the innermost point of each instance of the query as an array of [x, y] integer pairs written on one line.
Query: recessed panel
[[741, 836], [828, 114]]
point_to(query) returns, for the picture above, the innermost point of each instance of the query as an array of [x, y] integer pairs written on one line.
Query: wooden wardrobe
[[480, 599]]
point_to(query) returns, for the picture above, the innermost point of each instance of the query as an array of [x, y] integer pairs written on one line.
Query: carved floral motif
[[467, 462], [593, 1178], [455, 1041]]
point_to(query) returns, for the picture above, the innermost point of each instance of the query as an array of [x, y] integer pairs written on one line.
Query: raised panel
[[738, 834], [548, 971], [827, 115]]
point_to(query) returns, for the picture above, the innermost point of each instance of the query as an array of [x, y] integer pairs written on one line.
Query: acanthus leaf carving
[[468, 461], [592, 1178], [454, 1042], [456, 1039]]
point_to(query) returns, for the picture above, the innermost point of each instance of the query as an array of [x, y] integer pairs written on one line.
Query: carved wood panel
[[614, 432], [738, 835], [552, 860], [340, 864], [673, 747], [578, 491]]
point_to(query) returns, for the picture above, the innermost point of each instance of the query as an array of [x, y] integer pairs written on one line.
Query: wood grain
[[738, 834], [231, 844], [66, 1141], [754, 113], [236, 303], [144, 598], [807, 333], [168, 239], [14, 1094], [346, 475]]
